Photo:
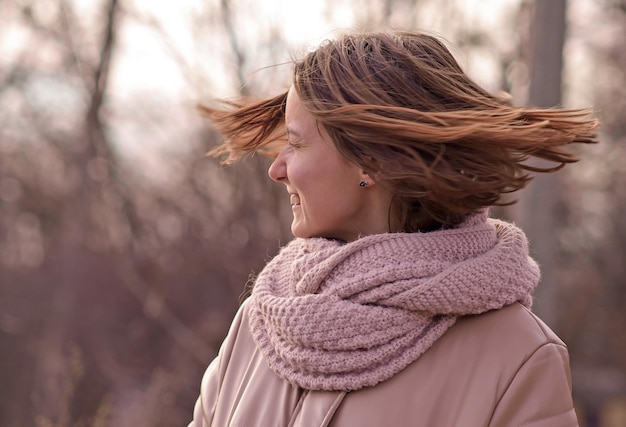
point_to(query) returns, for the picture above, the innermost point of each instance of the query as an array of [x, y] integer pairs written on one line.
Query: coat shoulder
[[462, 378], [513, 329]]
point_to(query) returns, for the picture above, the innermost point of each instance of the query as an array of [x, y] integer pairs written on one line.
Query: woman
[[398, 302]]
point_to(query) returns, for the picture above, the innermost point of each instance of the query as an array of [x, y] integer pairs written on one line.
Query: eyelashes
[[295, 143]]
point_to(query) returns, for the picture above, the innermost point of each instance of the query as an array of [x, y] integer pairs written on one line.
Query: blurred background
[[124, 250]]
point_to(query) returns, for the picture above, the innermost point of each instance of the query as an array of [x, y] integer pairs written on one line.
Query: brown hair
[[398, 105]]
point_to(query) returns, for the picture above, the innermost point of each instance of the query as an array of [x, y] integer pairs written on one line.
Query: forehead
[[298, 120]]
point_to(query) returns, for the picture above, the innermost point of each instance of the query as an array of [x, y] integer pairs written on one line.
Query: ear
[[367, 178], [371, 174]]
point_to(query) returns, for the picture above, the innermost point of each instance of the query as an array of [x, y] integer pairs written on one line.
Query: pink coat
[[502, 368]]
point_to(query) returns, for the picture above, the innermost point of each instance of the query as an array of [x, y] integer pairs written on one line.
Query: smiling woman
[[399, 302], [326, 200]]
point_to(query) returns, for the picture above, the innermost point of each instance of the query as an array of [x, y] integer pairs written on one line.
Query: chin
[[299, 233], [304, 234]]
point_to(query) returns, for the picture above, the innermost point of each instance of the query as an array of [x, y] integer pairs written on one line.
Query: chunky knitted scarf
[[328, 315]]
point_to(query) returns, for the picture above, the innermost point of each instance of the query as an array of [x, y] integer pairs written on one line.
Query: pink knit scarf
[[328, 315]]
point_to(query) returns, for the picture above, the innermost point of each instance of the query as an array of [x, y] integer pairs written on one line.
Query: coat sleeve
[[540, 394], [214, 376]]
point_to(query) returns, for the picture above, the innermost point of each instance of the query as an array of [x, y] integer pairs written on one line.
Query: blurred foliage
[[124, 250]]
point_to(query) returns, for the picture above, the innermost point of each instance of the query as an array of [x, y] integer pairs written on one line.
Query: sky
[[146, 64]]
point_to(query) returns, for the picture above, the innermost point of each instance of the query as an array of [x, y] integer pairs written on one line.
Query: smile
[[294, 199]]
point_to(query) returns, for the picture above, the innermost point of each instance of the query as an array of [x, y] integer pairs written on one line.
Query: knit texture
[[328, 315]]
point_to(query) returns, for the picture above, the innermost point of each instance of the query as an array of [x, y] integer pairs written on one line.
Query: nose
[[278, 169]]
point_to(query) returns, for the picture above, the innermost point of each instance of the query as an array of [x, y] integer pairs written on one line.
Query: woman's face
[[326, 197]]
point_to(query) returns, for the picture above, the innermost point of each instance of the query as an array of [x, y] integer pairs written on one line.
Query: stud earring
[[363, 184]]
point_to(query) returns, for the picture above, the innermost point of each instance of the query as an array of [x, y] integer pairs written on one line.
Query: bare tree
[[572, 217], [539, 207], [122, 281]]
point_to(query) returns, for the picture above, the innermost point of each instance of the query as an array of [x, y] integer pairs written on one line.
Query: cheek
[[308, 177], [330, 196], [320, 184], [322, 180]]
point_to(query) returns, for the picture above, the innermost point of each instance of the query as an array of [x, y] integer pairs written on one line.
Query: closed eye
[[295, 143], [293, 138]]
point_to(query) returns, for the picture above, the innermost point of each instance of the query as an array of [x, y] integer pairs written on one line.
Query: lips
[[294, 199]]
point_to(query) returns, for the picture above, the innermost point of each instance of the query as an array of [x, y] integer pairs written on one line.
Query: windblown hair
[[398, 105]]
